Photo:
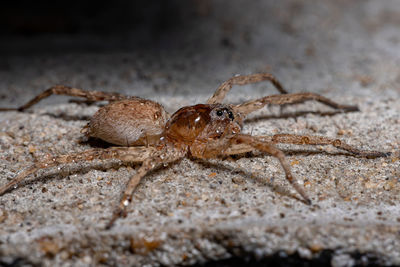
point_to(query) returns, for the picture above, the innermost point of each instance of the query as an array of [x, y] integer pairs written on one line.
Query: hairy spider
[[146, 133]]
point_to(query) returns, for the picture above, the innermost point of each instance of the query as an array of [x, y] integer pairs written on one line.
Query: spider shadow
[[255, 178], [67, 117], [294, 115], [282, 190], [94, 142]]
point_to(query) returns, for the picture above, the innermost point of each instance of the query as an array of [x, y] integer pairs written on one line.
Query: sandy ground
[[195, 212]]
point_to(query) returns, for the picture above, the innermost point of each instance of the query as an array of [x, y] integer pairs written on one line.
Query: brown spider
[[147, 134]]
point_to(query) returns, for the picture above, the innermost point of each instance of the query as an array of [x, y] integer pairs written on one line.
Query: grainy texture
[[195, 212]]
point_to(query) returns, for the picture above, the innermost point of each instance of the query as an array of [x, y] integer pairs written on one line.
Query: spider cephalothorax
[[146, 133], [202, 122]]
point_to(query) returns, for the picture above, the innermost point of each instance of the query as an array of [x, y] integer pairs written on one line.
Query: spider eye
[[220, 113], [230, 114]]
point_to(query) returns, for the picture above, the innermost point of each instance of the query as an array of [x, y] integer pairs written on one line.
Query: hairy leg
[[125, 154], [167, 155], [70, 91], [225, 87], [320, 140], [305, 140], [246, 108], [269, 148]]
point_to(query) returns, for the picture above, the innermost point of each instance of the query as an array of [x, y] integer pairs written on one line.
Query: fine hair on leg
[[250, 106], [270, 148], [226, 86], [70, 91], [125, 154]]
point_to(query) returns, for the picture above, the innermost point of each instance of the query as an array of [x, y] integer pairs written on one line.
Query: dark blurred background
[[177, 47], [44, 26]]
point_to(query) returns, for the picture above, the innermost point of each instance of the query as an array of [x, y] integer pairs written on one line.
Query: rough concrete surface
[[195, 212]]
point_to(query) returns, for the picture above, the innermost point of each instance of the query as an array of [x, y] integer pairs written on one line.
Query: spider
[[145, 133]]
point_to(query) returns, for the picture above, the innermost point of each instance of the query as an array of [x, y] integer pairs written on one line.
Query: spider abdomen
[[128, 122]]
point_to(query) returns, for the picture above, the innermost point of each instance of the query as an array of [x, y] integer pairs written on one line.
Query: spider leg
[[70, 91], [320, 140], [225, 87], [235, 149], [270, 148], [125, 154], [247, 107], [305, 140], [162, 157]]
